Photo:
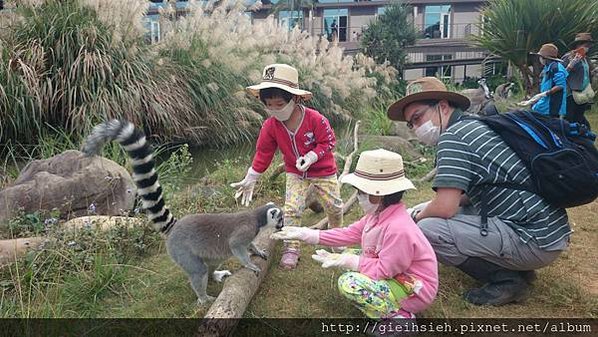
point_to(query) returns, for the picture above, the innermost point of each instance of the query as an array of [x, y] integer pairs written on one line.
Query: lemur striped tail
[[144, 173]]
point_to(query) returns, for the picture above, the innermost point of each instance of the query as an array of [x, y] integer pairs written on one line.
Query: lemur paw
[[260, 252], [205, 300], [253, 267], [219, 275]]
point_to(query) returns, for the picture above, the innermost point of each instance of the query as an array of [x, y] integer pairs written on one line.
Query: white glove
[[308, 235], [303, 163], [534, 99], [344, 260], [246, 186]]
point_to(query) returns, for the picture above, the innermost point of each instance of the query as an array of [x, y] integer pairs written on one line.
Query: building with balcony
[[442, 47]]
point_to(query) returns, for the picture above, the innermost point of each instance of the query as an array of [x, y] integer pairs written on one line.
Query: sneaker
[[290, 257], [394, 326]]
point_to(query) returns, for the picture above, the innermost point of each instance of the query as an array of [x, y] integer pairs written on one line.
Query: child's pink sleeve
[[325, 137], [265, 148], [394, 258], [343, 236]]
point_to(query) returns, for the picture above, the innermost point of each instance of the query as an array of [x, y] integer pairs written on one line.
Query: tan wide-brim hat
[[581, 38], [281, 76], [549, 51], [379, 172], [423, 89]]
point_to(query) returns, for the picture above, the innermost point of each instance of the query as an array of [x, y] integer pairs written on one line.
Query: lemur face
[[274, 218]]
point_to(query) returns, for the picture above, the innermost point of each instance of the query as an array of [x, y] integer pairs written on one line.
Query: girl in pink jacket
[[306, 140], [395, 274]]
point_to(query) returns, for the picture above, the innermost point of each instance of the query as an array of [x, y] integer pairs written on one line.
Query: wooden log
[[102, 222], [11, 250], [237, 292]]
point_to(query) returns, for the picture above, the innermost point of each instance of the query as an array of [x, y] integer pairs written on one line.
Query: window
[[335, 24], [439, 71], [155, 32], [291, 19], [380, 10], [437, 22]]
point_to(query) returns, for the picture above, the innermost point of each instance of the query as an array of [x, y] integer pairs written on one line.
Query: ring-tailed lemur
[[196, 242]]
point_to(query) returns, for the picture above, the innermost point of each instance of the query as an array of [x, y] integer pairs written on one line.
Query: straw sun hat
[[281, 76], [379, 172], [425, 88]]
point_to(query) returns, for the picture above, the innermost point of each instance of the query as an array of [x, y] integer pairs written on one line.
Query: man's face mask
[[284, 113], [428, 133]]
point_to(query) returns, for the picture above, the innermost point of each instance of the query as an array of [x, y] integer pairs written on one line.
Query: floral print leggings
[[375, 298], [328, 191]]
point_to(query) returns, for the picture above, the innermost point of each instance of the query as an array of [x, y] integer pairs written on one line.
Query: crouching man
[[522, 232]]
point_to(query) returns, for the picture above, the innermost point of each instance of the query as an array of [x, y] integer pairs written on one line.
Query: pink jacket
[[313, 134], [392, 245]]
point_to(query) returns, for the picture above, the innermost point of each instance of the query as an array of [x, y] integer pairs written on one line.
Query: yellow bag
[[584, 96]]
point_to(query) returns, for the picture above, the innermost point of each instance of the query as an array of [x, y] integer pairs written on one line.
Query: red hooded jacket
[[313, 134]]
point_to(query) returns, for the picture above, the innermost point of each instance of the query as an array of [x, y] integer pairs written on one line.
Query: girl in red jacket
[[305, 140]]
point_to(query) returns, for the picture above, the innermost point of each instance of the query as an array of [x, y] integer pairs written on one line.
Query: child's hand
[[344, 260], [246, 186], [303, 163], [308, 235]]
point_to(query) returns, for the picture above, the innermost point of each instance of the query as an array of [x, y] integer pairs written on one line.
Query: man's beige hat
[[426, 88], [379, 172], [281, 76]]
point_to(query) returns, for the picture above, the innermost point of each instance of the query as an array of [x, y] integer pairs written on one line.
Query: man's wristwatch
[[414, 214]]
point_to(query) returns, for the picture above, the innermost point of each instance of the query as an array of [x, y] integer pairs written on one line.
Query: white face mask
[[284, 113], [428, 133], [366, 205]]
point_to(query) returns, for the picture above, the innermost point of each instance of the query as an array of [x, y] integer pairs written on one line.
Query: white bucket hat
[[281, 76], [379, 172]]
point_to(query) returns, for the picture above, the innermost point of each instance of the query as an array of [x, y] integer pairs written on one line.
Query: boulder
[[392, 143], [72, 183], [400, 129]]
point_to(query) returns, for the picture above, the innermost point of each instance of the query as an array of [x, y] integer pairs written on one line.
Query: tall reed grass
[[67, 65]]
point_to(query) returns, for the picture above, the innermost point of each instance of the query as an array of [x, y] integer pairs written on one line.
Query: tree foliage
[[386, 38], [514, 28]]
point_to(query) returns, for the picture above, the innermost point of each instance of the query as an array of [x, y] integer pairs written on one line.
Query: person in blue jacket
[[552, 99]]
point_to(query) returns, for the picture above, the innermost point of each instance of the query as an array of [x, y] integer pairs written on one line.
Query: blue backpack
[[560, 156]]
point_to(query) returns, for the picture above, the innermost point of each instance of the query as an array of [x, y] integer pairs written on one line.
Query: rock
[[392, 143], [70, 182], [400, 129], [11, 250]]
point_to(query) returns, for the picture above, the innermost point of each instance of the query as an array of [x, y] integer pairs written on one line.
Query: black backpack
[[561, 157]]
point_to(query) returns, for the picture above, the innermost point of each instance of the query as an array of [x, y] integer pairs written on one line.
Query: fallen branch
[[322, 224], [237, 292], [428, 177]]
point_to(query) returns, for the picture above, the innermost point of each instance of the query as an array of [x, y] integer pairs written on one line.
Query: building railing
[[426, 57], [446, 31]]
